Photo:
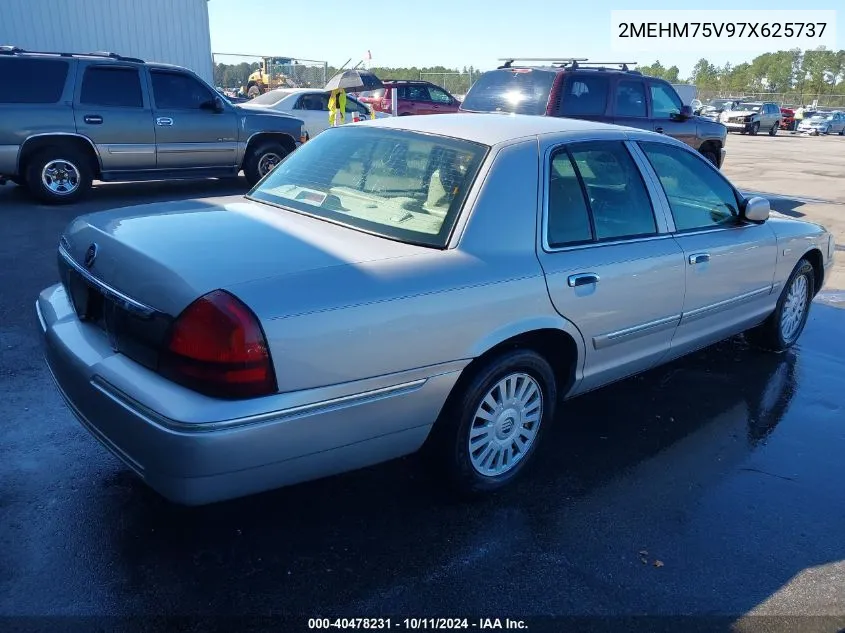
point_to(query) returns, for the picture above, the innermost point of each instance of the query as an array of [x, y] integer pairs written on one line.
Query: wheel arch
[[284, 138], [816, 259], [36, 142], [554, 338], [711, 145]]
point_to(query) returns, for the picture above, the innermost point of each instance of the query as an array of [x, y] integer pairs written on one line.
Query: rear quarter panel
[[354, 322], [795, 239], [20, 121]]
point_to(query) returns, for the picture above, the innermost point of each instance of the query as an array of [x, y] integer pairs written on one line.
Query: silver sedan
[[434, 283]]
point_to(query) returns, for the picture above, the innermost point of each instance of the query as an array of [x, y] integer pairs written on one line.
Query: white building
[[170, 31]]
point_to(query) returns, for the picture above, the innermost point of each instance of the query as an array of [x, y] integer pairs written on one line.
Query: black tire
[[842, 132], [710, 155], [755, 129], [254, 163], [448, 446], [769, 335], [774, 129], [74, 164]]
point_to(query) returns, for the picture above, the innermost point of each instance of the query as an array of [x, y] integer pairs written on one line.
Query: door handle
[[164, 121], [659, 130], [699, 258], [93, 119], [582, 279]]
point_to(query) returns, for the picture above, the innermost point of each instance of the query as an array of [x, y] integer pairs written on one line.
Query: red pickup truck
[[787, 119]]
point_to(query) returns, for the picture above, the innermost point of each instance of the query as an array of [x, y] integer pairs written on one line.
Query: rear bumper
[[206, 454]]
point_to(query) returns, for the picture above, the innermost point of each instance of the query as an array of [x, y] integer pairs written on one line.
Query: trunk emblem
[[91, 255]]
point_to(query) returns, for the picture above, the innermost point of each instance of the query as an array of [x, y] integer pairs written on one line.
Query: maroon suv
[[597, 93], [415, 97]]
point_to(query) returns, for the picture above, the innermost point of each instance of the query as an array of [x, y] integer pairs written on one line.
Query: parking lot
[[709, 487]]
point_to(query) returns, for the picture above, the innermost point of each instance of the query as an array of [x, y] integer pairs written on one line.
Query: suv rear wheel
[[774, 129], [59, 174]]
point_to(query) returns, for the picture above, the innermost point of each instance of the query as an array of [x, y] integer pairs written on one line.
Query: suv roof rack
[[570, 63], [15, 50], [603, 65], [551, 60]]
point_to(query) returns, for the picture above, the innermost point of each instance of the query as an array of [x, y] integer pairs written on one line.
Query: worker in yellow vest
[[337, 108], [799, 116]]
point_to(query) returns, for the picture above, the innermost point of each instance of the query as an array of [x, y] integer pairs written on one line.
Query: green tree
[[672, 74], [705, 75]]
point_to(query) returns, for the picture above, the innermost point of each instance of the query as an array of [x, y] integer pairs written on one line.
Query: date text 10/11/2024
[[480, 624]]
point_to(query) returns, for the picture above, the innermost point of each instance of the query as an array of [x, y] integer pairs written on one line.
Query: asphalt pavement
[[711, 487]]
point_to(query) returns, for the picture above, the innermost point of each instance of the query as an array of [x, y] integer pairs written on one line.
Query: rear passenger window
[[31, 80], [108, 86], [569, 217], [584, 95], [596, 193]]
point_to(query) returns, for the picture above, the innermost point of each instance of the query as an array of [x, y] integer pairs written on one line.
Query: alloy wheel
[[267, 163], [794, 308], [61, 177]]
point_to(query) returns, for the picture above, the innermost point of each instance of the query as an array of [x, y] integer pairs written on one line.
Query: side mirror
[[684, 114], [756, 210]]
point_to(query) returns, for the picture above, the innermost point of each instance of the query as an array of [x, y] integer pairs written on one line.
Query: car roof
[[490, 128], [297, 91]]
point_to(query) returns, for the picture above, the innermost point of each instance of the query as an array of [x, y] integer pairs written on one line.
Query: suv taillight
[[217, 347]]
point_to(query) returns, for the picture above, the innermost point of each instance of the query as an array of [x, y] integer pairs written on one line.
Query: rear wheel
[[489, 430], [783, 327], [262, 159], [59, 174], [774, 129]]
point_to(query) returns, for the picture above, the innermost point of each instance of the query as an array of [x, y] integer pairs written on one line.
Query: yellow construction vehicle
[[269, 76]]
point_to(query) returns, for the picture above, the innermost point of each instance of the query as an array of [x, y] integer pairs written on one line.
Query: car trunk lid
[[132, 271]]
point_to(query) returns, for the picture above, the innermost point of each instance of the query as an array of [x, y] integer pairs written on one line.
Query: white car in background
[[311, 105], [824, 123]]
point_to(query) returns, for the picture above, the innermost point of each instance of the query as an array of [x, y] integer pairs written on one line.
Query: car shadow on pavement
[[111, 195], [787, 205], [387, 537]]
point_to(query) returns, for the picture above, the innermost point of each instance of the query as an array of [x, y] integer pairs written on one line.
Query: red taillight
[[217, 347]]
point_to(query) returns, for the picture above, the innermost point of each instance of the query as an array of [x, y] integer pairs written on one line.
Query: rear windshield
[[32, 80], [401, 185], [271, 98], [517, 90]]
